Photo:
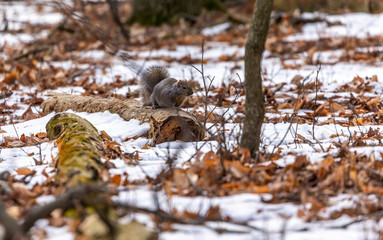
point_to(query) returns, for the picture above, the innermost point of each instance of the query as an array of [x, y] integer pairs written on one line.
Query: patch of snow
[[215, 29], [56, 233], [45, 199], [359, 25]]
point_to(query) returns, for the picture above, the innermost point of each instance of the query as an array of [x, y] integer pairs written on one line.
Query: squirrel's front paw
[[155, 107]]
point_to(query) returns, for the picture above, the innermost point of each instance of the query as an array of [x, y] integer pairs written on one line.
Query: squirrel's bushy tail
[[149, 79]]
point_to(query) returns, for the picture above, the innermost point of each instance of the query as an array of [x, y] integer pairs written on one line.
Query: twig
[[113, 5], [292, 115], [205, 86], [5, 95], [336, 129], [18, 137], [279, 88], [59, 26], [311, 144], [32, 51], [185, 220], [315, 104], [315, 100], [346, 225], [78, 73], [5, 21], [102, 36], [228, 108]]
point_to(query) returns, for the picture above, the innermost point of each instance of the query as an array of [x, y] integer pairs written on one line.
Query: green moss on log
[[79, 144], [64, 121], [79, 162]]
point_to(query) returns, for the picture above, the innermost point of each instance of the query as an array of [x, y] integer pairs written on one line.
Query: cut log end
[[175, 128]]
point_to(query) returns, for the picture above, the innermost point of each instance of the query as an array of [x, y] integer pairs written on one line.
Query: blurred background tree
[[156, 12], [332, 6]]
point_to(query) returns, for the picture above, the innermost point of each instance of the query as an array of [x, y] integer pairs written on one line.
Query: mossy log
[[79, 144], [79, 164], [166, 124]]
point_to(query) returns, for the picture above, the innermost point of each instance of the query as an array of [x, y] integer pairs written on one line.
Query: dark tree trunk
[[255, 46]]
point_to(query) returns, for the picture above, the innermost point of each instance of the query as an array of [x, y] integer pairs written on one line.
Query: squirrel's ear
[[178, 83]]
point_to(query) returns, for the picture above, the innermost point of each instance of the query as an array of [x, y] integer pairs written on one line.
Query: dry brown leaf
[[11, 78], [116, 179], [335, 107], [24, 192], [374, 101], [310, 54], [23, 138], [297, 80], [24, 171], [315, 204], [104, 136], [359, 57], [210, 160], [319, 110], [181, 179], [245, 155], [131, 138], [15, 144], [41, 134], [284, 106], [237, 169], [358, 80], [29, 114], [301, 213], [223, 58], [214, 212], [261, 189]]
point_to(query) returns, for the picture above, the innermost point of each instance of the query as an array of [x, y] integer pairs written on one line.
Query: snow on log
[[166, 124]]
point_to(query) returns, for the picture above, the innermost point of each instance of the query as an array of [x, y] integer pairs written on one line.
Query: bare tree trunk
[[255, 46]]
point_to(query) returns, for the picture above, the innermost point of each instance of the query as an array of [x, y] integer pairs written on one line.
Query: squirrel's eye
[[184, 87]]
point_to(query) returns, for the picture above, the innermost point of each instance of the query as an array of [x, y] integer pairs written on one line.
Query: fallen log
[[166, 124], [79, 145], [84, 177]]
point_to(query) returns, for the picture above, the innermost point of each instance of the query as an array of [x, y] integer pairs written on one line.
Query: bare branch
[[5, 95], [12, 229], [185, 220], [113, 5], [63, 201]]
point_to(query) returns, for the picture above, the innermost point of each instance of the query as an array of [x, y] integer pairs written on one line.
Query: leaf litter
[[325, 174]]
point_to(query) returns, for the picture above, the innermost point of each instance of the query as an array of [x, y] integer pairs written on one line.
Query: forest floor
[[319, 174]]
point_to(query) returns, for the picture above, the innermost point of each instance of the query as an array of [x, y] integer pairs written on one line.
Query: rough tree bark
[[254, 48]]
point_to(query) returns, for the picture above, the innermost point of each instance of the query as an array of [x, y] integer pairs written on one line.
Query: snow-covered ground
[[280, 221]]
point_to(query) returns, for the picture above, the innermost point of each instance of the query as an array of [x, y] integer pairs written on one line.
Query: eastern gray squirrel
[[158, 89]]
